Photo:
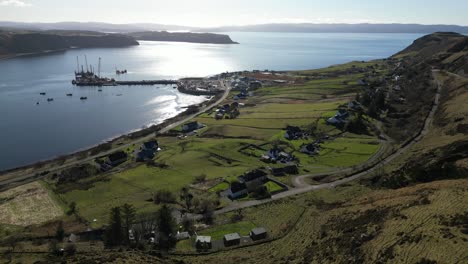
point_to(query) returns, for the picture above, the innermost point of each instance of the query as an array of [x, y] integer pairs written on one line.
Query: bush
[[261, 192], [164, 196], [70, 249], [200, 178]]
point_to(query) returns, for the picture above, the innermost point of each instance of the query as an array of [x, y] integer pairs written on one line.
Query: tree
[[60, 232], [188, 225], [113, 235], [200, 178], [70, 249], [186, 197], [206, 208], [166, 228], [72, 208], [164, 196], [128, 216]]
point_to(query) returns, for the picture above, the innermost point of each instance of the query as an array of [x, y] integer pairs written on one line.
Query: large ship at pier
[[88, 77]]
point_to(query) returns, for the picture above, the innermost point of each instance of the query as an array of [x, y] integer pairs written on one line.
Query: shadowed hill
[[444, 50], [12, 43]]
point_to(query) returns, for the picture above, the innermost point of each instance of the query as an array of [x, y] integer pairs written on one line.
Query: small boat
[[69, 94], [50, 99], [37, 103], [100, 90], [42, 93], [118, 72], [83, 98]]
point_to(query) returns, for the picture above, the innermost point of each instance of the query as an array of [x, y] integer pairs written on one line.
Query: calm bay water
[[31, 132]]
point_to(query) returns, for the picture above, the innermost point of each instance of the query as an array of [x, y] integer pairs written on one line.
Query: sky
[[212, 13]]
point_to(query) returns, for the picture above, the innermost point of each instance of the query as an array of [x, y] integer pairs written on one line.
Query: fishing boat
[[118, 72], [50, 99], [83, 98], [42, 93], [69, 94]]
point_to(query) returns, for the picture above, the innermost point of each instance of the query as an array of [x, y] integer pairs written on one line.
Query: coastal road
[[10, 182]]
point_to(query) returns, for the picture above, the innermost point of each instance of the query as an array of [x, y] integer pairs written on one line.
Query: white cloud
[[14, 3]]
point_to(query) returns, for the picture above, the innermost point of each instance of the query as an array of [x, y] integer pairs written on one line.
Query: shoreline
[[19, 55], [132, 135]]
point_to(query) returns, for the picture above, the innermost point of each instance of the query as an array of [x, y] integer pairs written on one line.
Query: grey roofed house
[[237, 190], [189, 127], [258, 233], [145, 154], [231, 239], [117, 158], [252, 176], [182, 235], [150, 145], [203, 239]]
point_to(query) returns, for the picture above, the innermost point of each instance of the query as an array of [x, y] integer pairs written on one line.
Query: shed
[[232, 239], [182, 235], [258, 233], [72, 238], [203, 242]]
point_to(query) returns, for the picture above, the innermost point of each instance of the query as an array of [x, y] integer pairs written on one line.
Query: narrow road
[[11, 182]]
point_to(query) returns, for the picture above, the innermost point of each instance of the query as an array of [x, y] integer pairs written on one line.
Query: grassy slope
[[403, 226]]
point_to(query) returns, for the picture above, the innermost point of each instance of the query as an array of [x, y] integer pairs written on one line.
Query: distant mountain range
[[304, 27]]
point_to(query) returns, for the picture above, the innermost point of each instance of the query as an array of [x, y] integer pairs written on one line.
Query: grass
[[273, 187], [28, 204], [219, 187], [408, 229]]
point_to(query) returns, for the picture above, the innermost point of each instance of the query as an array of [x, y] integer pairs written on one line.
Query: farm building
[[189, 127], [231, 239], [277, 155], [116, 158], [144, 155], [237, 190], [258, 233], [339, 118], [293, 133], [150, 145], [310, 149]]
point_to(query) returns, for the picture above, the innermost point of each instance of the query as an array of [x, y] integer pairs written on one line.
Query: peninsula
[[14, 43], [208, 38]]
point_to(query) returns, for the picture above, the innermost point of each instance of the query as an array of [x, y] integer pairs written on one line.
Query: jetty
[[147, 82]]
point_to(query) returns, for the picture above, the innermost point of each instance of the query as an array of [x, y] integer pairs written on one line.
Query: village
[[258, 148]]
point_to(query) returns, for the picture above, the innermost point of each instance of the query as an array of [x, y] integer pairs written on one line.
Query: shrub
[[164, 196]]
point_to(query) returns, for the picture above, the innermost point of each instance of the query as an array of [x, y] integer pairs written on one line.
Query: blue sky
[[237, 12]]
